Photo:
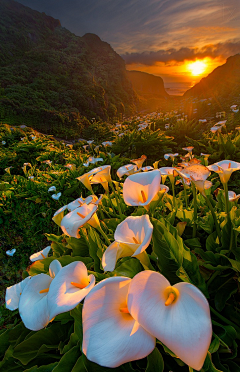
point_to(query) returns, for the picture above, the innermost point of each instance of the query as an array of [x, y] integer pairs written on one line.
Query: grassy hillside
[[54, 79]]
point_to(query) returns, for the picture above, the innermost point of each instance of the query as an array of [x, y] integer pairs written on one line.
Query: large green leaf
[[40, 342], [128, 268], [155, 361], [68, 360]]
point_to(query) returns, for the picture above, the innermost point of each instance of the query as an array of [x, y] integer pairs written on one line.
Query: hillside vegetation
[[54, 79]]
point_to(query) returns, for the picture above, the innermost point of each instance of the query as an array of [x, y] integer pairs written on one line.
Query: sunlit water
[[177, 89]]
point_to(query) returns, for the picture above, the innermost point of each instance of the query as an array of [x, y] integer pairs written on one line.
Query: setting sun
[[197, 68]]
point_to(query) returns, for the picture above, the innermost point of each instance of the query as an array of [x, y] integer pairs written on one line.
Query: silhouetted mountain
[[50, 76], [223, 82], [150, 89]]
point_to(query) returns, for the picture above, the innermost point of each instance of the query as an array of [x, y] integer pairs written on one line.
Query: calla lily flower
[[147, 168], [132, 237], [101, 175], [13, 294], [107, 143], [92, 160], [33, 304], [72, 222], [3, 142], [224, 168], [72, 284], [188, 149], [127, 170], [171, 156], [95, 176], [11, 252], [72, 167], [232, 196], [56, 196], [59, 214], [49, 162], [216, 129], [178, 315], [40, 255], [140, 189], [52, 188], [105, 312], [168, 172], [195, 172], [139, 162]]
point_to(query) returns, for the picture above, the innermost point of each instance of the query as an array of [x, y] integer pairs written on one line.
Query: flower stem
[[195, 211], [225, 186], [173, 193], [99, 229], [214, 218], [117, 198]]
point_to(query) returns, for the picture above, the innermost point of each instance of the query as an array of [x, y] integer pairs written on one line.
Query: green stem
[[104, 235], [225, 186], [214, 275], [214, 218], [195, 210], [185, 192], [117, 198], [173, 193]]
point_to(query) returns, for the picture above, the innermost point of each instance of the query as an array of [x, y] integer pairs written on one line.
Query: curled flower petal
[[41, 254], [13, 294], [71, 223], [127, 170], [141, 188], [105, 313], [179, 316], [54, 268], [11, 252], [70, 286], [33, 307]]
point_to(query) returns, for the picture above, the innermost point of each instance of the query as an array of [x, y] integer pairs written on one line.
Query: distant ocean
[[177, 89]]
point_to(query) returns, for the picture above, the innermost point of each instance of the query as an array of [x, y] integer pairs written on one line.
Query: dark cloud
[[137, 25], [223, 50]]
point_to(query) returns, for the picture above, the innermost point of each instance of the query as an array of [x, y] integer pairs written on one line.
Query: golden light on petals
[[124, 310]]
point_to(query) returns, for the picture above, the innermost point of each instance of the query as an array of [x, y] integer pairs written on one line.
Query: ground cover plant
[[134, 258]]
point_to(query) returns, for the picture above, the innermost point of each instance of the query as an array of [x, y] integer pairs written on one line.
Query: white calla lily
[[139, 162], [127, 170], [232, 196], [72, 284], [179, 315], [33, 307], [224, 168], [40, 255], [132, 237], [71, 223], [140, 189], [13, 294], [59, 214], [105, 312]]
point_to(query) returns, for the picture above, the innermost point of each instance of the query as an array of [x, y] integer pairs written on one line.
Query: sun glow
[[197, 68]]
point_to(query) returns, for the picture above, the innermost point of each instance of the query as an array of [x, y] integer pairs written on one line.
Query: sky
[[162, 37]]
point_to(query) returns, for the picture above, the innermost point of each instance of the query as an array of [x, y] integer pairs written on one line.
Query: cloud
[[136, 25], [222, 50]]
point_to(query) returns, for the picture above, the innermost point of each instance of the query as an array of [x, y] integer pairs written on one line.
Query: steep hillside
[[49, 76], [150, 89], [223, 82]]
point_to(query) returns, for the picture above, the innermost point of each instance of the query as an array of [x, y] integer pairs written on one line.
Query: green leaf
[[155, 361], [128, 268], [95, 248], [223, 294], [40, 342], [79, 246], [68, 361], [46, 368]]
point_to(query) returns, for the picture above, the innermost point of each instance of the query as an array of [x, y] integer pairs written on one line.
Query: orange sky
[[180, 71]]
